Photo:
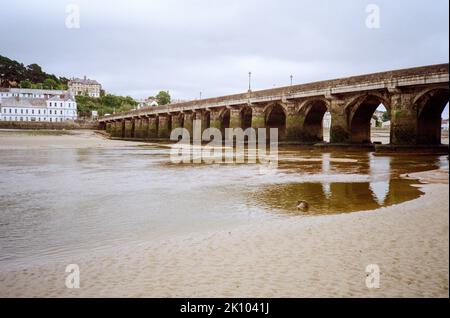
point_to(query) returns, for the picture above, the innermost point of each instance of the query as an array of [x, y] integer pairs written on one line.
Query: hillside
[[16, 74]]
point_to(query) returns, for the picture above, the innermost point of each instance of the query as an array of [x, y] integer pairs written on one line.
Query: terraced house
[[37, 105]]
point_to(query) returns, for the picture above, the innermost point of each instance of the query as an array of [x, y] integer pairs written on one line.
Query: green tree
[[386, 116], [106, 104], [377, 123], [163, 98], [35, 74], [11, 71], [25, 84], [50, 83]]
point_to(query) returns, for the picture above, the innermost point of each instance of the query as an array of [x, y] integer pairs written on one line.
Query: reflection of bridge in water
[[415, 99], [339, 189]]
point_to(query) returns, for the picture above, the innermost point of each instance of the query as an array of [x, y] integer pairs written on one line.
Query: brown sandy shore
[[323, 256]]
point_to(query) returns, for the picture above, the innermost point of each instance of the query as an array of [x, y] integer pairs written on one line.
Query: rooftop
[[33, 91], [33, 102], [62, 97], [85, 81], [23, 102]]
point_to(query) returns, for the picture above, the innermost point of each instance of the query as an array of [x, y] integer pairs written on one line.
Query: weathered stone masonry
[[414, 97]]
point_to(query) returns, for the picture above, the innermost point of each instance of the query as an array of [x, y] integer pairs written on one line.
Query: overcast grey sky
[[140, 47]]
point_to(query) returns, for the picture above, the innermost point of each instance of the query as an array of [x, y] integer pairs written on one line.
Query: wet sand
[[317, 256], [56, 139]]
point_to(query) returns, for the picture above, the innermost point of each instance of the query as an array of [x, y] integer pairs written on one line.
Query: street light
[[249, 81], [200, 95], [292, 76]]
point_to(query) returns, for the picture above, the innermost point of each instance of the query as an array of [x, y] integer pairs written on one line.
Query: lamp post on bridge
[[249, 81], [292, 76]]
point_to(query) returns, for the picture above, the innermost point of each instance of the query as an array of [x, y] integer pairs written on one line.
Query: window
[[10, 110]]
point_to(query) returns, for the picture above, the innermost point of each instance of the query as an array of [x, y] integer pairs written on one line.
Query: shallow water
[[56, 203]]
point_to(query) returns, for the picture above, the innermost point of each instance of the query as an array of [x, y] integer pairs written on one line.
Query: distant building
[[44, 107], [85, 86], [149, 102], [444, 124], [379, 115], [386, 124], [30, 93]]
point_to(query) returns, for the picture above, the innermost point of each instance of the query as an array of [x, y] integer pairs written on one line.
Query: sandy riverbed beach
[[56, 139], [317, 256]]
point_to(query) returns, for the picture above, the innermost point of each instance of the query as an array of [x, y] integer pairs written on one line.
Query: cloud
[[139, 47]]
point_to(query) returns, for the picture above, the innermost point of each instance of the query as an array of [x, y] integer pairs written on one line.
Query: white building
[[373, 123], [149, 102], [29, 93], [444, 124], [24, 106], [386, 124], [84, 86]]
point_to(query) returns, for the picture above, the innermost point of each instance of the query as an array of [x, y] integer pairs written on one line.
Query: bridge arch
[[313, 112], [246, 115], [429, 105], [360, 115], [275, 117], [177, 120], [224, 117], [206, 120]]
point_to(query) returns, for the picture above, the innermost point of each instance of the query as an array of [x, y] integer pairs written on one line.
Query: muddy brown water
[[57, 203]]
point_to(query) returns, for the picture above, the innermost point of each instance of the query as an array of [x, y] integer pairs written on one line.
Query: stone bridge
[[414, 97]]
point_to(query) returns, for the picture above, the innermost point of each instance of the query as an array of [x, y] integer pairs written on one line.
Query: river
[[57, 201]]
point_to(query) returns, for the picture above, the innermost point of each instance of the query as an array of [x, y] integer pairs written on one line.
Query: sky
[[138, 48]]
